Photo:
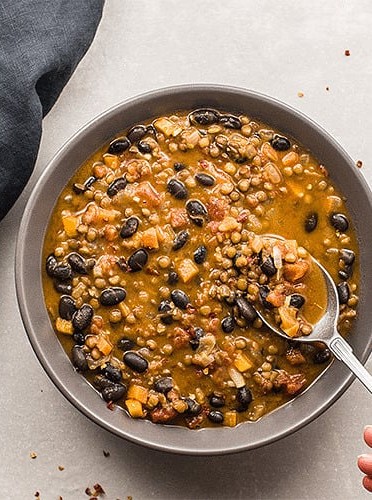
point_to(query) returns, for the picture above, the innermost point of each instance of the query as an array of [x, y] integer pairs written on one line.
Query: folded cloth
[[41, 43]]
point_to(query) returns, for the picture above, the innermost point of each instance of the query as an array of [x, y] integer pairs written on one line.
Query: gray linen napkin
[[41, 43]]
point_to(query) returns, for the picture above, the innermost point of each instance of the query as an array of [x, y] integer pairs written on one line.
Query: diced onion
[[236, 377]]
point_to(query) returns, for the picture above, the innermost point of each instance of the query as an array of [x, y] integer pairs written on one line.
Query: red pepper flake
[[95, 492], [347, 52], [359, 164], [106, 453]]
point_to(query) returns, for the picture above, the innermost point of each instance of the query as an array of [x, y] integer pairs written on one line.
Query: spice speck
[[33, 455], [300, 94], [347, 52], [359, 164]]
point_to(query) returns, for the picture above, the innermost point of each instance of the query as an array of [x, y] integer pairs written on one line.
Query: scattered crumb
[[359, 164], [300, 94], [347, 52], [33, 454], [106, 453], [327, 88], [37, 494], [60, 467], [95, 492], [129, 497], [60, 498]]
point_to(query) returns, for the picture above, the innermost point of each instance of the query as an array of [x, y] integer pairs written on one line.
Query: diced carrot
[[111, 161], [70, 225], [148, 194], [150, 238], [289, 322], [296, 271], [167, 127], [64, 326], [104, 345], [138, 392], [135, 408], [230, 418], [179, 218], [105, 215], [187, 270], [242, 363]]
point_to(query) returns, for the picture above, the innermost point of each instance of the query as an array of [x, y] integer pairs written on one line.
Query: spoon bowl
[[325, 330]]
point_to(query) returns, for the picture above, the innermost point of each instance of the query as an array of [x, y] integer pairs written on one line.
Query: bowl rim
[[26, 313]]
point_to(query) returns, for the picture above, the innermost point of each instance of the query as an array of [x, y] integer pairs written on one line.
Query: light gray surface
[[279, 48]]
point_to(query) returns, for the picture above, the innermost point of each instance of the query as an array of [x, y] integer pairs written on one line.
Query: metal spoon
[[325, 330]]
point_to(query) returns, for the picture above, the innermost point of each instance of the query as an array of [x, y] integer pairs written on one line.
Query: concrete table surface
[[278, 48]]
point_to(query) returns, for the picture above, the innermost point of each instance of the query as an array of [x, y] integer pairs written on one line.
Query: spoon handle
[[343, 351]]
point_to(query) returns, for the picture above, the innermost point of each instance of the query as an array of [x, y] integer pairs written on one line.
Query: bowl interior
[[49, 351]]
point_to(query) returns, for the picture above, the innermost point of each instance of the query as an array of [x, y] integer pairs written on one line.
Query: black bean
[[228, 324], [231, 121], [200, 254], [66, 307], [264, 292], [178, 166], [62, 272], [112, 296], [311, 222], [79, 359], [136, 133], [322, 356], [198, 221], [346, 273], [138, 260], [112, 373], [100, 382], [144, 147], [193, 408], [246, 310], [116, 186], [77, 263], [244, 398], [163, 385], [82, 318], [125, 344], [50, 264], [348, 256], [65, 288], [180, 240], [165, 308], [195, 208], [180, 299], [297, 301], [177, 189], [118, 146], [343, 292], [280, 143], [204, 116], [216, 416], [79, 338], [172, 277], [339, 222], [130, 227], [81, 188], [135, 362], [217, 400], [195, 341], [205, 179], [268, 267], [113, 392]]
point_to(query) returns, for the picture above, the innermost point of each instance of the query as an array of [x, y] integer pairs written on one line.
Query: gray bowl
[[49, 351]]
